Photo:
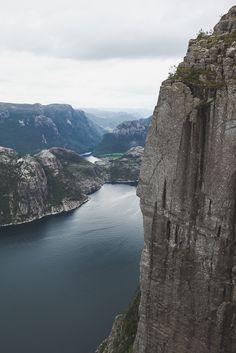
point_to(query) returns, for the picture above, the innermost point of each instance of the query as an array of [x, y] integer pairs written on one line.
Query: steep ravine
[[188, 199]]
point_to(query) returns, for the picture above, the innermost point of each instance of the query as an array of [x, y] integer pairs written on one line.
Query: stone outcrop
[[187, 190], [53, 181]]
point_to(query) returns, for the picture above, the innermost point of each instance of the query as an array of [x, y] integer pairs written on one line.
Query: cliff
[[29, 128], [187, 191], [125, 136], [53, 181]]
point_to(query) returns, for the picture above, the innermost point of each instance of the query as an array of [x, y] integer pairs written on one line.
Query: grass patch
[[206, 78], [124, 340], [131, 323], [208, 41]]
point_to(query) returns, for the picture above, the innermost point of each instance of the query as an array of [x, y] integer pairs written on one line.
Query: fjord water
[[64, 278]]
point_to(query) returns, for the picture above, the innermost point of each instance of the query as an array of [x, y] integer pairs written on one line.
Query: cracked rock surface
[[187, 190], [188, 200]]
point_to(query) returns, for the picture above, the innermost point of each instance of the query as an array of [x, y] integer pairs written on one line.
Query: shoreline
[[65, 211], [48, 214]]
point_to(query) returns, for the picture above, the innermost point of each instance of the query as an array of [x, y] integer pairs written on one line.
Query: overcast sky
[[96, 53]]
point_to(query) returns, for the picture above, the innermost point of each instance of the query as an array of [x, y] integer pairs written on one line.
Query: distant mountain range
[[30, 128], [109, 120], [125, 136]]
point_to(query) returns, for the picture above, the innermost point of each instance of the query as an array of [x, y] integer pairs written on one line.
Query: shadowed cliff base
[[123, 331]]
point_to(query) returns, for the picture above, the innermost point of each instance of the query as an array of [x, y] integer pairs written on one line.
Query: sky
[[96, 53]]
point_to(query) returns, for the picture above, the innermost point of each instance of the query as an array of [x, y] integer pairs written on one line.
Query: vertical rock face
[[188, 199], [29, 128]]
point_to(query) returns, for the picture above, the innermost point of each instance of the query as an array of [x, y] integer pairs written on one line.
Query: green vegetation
[[202, 34], [83, 170], [126, 336], [229, 38], [206, 78], [125, 168], [172, 73], [203, 77], [56, 188], [112, 155], [8, 192], [207, 40], [130, 325], [103, 347]]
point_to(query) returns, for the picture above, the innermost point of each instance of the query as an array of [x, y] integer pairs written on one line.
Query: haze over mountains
[[29, 128], [110, 119]]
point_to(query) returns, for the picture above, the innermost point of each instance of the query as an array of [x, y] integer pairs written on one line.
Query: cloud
[[97, 53], [111, 83], [105, 29]]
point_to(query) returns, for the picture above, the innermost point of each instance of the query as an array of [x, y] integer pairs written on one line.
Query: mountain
[[187, 191], [53, 181], [28, 128], [108, 120], [124, 136]]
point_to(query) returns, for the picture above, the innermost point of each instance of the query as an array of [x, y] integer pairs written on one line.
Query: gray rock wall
[[188, 200], [187, 191]]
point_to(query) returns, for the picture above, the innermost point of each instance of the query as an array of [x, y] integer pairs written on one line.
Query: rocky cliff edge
[[187, 190]]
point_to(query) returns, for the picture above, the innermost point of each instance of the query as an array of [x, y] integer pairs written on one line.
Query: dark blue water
[[64, 278]]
